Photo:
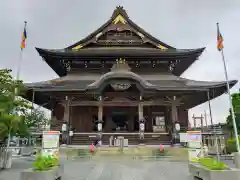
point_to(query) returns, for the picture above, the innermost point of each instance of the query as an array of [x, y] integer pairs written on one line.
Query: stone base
[[27, 151], [237, 160], [201, 173], [55, 173], [6, 160]]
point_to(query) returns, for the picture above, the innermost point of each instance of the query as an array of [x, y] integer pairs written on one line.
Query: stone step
[[132, 139]]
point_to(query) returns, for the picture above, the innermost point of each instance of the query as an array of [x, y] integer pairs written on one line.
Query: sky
[[179, 23]]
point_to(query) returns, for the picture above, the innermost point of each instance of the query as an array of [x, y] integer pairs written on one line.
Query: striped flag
[[219, 39], [24, 36]]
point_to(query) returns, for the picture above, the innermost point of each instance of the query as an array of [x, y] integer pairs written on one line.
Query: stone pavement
[[110, 170]]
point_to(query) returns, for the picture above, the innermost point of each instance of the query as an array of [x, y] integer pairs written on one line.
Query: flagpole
[[19, 64], [230, 99], [15, 93], [21, 57]]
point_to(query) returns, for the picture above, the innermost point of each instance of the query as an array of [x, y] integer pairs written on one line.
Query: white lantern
[[177, 127], [64, 127], [99, 126], [70, 133], [142, 126]]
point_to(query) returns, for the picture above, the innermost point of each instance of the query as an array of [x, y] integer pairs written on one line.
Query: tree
[[16, 114], [236, 108], [32, 121], [12, 107]]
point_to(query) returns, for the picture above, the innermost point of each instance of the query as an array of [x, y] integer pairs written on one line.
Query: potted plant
[[210, 169], [44, 168]]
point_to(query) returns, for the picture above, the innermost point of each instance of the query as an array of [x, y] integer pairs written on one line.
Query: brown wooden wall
[[183, 117], [81, 117]]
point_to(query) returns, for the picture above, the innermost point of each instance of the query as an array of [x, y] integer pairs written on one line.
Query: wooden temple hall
[[121, 80]]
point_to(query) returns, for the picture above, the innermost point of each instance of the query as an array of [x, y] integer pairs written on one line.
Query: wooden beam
[[122, 103]]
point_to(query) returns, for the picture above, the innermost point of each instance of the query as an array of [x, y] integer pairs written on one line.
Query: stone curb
[[155, 158]]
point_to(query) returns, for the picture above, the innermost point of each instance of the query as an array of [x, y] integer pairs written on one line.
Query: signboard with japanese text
[[50, 143], [194, 139]]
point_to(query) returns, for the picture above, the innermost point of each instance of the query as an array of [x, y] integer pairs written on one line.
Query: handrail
[[111, 133], [119, 133]]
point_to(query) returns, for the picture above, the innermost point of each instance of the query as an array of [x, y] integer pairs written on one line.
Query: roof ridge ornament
[[120, 19], [119, 15], [119, 10]]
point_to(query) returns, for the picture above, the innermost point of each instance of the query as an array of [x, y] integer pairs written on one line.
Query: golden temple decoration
[[77, 47], [121, 61], [162, 47], [120, 19], [121, 65]]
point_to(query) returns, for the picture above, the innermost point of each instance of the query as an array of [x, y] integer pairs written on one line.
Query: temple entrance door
[[120, 120]]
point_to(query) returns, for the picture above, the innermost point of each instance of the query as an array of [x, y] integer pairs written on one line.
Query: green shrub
[[44, 163], [231, 145], [212, 164]]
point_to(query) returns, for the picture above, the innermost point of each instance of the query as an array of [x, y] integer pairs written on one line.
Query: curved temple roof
[[147, 46], [167, 83]]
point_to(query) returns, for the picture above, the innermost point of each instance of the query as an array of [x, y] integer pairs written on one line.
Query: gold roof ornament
[[162, 47], [77, 47], [121, 65], [121, 61], [118, 19]]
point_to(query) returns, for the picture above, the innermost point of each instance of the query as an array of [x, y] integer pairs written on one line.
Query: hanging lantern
[[177, 127]]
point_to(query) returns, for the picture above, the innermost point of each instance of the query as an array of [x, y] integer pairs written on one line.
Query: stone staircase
[[82, 139], [133, 139]]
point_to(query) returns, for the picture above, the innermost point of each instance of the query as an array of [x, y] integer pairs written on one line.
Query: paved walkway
[[110, 170]]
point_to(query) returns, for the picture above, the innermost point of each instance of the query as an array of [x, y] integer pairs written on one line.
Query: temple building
[[121, 76]]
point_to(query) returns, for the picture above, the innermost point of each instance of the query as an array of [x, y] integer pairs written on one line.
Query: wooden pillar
[[66, 121], [174, 110], [100, 109], [140, 110], [174, 114], [100, 119], [100, 113], [149, 119], [132, 113], [141, 120], [66, 110]]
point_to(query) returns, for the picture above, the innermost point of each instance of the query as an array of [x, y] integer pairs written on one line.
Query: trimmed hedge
[[231, 145], [212, 164], [44, 163]]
